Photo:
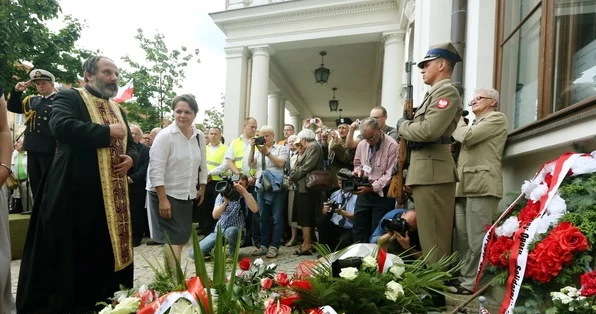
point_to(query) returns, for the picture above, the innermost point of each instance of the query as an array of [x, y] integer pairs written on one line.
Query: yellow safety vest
[[238, 148], [215, 159]]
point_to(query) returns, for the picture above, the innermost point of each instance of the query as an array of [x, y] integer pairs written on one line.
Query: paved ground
[[286, 262]]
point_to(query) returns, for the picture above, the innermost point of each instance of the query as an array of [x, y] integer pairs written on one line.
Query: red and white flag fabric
[[124, 93]]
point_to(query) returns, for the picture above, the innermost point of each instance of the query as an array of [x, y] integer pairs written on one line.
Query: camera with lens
[[350, 181], [397, 224], [333, 205], [226, 187], [259, 140]]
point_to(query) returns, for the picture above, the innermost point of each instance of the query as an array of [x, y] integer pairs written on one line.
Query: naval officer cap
[[39, 74], [444, 50], [341, 121]]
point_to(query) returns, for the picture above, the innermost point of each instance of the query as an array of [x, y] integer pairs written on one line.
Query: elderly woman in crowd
[[269, 160], [177, 167], [306, 202], [293, 157]]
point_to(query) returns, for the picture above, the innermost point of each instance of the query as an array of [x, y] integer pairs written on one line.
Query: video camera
[[226, 187], [259, 140], [397, 224], [351, 182]]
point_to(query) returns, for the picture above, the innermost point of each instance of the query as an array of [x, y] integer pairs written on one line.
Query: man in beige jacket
[[480, 186]]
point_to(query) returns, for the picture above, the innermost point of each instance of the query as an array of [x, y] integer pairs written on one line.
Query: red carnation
[[498, 252], [244, 264], [588, 282], [528, 213], [547, 179]]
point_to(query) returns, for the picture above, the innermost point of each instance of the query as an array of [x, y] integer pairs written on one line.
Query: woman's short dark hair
[[189, 99]]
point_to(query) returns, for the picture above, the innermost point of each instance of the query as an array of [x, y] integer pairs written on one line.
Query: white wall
[[433, 26], [480, 48]]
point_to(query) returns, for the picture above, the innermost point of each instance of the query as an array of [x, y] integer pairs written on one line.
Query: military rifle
[[396, 189]]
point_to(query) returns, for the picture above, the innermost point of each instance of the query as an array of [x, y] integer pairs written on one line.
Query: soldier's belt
[[443, 140]]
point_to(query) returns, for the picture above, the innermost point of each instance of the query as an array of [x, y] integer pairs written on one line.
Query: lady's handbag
[[318, 180]]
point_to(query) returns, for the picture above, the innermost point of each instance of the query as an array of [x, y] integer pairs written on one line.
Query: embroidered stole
[[114, 187]]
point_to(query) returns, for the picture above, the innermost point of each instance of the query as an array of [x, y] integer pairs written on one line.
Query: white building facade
[[539, 54]]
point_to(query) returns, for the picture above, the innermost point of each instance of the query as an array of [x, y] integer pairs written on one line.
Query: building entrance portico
[[273, 49]]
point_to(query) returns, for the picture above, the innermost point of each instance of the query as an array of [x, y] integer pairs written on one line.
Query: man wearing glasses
[[432, 173], [375, 156], [379, 113], [480, 186]]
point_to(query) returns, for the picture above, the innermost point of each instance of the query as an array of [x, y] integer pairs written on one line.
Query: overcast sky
[[111, 26]]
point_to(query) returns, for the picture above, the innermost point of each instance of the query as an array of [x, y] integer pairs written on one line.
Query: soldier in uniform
[[432, 173], [38, 140]]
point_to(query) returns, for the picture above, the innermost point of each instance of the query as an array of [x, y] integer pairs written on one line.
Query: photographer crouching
[[397, 232], [335, 224], [230, 207], [375, 156]]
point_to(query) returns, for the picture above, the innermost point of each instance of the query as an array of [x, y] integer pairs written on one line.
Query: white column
[[260, 83], [282, 117], [236, 78], [296, 122], [393, 68], [273, 113]]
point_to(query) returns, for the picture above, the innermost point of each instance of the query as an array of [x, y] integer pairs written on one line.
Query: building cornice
[[294, 11]]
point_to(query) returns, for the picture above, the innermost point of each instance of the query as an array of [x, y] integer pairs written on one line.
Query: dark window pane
[[515, 12], [519, 79], [575, 52]]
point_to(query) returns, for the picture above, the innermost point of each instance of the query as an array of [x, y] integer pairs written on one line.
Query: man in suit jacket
[[481, 182], [38, 140], [432, 173], [137, 180]]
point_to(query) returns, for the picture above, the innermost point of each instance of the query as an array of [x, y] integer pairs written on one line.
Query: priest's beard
[[109, 90]]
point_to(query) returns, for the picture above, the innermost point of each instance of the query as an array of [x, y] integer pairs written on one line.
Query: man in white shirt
[[22, 196], [237, 164]]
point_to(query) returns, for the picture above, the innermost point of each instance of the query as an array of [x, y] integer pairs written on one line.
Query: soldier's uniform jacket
[[479, 164], [431, 128], [37, 109]]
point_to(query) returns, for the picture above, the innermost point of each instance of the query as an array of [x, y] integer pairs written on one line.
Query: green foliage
[[214, 116], [155, 79], [579, 193], [25, 38], [366, 293]]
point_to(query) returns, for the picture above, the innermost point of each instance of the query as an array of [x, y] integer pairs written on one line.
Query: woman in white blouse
[[177, 174]]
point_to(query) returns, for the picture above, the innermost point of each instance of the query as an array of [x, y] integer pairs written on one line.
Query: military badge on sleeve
[[443, 103]]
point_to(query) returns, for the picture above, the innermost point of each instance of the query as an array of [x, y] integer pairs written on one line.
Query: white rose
[[258, 262], [394, 291], [349, 273], [397, 271], [369, 261], [271, 266], [127, 306]]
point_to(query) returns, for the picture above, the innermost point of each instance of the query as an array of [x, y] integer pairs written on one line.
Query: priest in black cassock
[[78, 249]]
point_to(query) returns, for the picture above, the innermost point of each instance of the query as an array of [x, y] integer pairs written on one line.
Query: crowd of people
[[103, 184]]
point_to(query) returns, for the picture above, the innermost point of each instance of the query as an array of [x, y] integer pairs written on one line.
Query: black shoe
[[153, 243], [135, 244], [26, 212]]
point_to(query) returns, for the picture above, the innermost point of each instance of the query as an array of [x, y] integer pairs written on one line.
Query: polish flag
[[124, 93]]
